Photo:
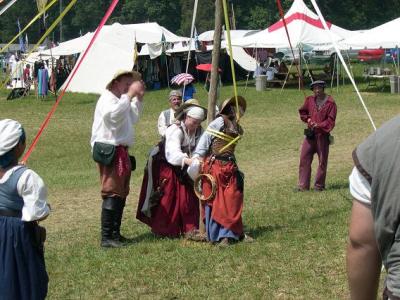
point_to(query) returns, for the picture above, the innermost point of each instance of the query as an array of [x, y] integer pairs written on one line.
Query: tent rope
[[27, 26], [53, 109], [342, 61], [190, 42], [278, 2]]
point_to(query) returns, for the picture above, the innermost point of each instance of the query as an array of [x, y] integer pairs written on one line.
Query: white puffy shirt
[[162, 122], [31, 188], [174, 140], [360, 188], [114, 118]]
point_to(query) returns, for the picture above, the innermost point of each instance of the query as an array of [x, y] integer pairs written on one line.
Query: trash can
[[394, 84], [398, 84], [261, 82]]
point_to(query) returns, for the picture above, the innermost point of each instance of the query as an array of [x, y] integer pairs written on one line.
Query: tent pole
[[166, 63], [333, 70], [337, 76], [287, 76]]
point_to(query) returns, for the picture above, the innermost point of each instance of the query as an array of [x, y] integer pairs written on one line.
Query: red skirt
[[227, 204], [178, 209]]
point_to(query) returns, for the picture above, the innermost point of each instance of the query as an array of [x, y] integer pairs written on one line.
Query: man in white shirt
[[167, 117], [117, 109]]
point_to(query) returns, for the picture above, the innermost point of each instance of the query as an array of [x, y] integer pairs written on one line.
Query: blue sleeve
[[206, 139]]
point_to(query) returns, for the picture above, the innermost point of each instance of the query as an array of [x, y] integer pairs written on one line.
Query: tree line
[[176, 15]]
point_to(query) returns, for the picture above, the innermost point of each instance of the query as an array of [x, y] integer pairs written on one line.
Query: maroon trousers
[[320, 145]]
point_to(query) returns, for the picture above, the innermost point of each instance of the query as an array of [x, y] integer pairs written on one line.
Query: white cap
[[195, 112], [10, 133]]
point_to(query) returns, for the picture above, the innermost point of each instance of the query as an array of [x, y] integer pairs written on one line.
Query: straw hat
[[180, 112], [232, 101], [135, 76]]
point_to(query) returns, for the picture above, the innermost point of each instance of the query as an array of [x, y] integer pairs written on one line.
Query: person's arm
[[173, 144], [136, 93], [161, 125], [329, 123], [304, 111], [363, 258], [206, 138], [31, 188]]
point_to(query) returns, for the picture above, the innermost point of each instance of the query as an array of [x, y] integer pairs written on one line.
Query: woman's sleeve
[[173, 143], [31, 188], [206, 138]]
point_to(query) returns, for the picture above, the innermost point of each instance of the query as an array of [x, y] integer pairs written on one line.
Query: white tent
[[113, 50], [383, 36], [240, 56], [304, 27]]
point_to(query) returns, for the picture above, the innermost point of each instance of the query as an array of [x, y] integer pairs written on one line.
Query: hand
[[187, 161], [137, 89]]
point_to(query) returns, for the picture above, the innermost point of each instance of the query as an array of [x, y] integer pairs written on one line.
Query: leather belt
[[10, 213], [226, 158]]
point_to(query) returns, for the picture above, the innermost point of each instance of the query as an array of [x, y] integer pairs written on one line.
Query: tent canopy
[[383, 36], [304, 27], [113, 50]]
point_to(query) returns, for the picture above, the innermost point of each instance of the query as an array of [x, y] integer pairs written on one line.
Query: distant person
[[319, 113], [167, 117], [23, 203], [189, 92], [271, 71], [117, 110], [27, 73], [282, 70], [260, 70], [375, 217]]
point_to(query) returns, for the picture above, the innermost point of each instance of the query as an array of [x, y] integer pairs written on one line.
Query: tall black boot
[[108, 216], [120, 205]]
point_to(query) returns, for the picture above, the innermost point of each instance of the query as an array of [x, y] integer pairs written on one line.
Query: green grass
[[299, 250]]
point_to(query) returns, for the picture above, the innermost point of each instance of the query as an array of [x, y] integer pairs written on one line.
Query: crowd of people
[[43, 76], [192, 181]]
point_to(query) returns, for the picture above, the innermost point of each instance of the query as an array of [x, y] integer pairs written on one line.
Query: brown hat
[[180, 112], [135, 76], [232, 101]]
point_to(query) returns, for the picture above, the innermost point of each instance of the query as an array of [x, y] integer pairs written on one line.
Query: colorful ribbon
[[53, 109]]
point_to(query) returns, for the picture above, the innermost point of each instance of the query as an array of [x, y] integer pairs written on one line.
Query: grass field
[[300, 238]]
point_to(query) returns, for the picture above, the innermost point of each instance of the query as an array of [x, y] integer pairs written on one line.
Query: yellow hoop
[[197, 190]]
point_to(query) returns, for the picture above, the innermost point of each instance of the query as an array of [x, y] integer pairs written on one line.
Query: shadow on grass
[[264, 230]]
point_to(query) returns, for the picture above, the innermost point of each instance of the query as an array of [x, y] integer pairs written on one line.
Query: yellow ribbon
[[223, 136], [234, 141], [228, 35], [219, 134], [27, 26], [48, 31]]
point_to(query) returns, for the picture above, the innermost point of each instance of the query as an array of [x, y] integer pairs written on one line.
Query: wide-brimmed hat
[[180, 112], [317, 82], [232, 101], [135, 76]]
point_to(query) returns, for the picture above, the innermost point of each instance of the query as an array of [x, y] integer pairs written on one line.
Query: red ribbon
[[53, 109]]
